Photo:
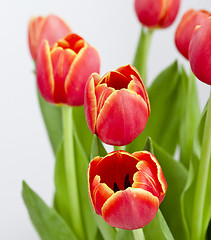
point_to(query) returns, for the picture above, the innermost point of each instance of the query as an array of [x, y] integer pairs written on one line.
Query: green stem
[[142, 51], [70, 172], [202, 178], [138, 234], [116, 148]]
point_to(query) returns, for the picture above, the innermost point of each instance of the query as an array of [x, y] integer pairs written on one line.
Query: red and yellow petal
[[130, 209], [90, 104], [100, 195], [61, 62], [158, 172], [86, 63], [44, 72], [122, 118], [35, 28]]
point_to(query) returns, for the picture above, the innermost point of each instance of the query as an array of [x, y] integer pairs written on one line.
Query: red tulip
[[157, 13], [51, 28], [126, 189], [185, 29], [116, 105], [200, 51], [63, 70]]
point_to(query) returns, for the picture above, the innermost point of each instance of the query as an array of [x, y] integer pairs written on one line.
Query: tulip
[[51, 28], [126, 189], [199, 51], [116, 105], [63, 70], [185, 29], [157, 13]]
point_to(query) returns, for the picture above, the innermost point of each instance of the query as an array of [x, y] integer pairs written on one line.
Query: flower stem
[[142, 51], [138, 234], [116, 148], [70, 172], [200, 191]]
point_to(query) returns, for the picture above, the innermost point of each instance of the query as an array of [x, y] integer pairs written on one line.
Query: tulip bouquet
[[140, 189]]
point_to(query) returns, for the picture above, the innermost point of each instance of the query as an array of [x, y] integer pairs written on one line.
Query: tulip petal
[[102, 92], [35, 28], [148, 12], [136, 84], [44, 72], [122, 118], [61, 62], [170, 13], [130, 209], [158, 175], [101, 193], [90, 103], [48, 32], [199, 52], [86, 63]]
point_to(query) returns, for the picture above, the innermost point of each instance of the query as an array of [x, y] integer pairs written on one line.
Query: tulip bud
[[185, 29], [116, 105], [199, 51], [157, 13], [126, 189], [63, 70], [51, 28]]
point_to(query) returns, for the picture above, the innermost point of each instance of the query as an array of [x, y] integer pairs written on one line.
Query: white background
[[25, 153]]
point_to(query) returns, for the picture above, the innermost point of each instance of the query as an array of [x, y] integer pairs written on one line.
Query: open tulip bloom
[[128, 194], [84, 112]]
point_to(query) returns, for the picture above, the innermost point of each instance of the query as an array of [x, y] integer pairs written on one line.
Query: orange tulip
[[51, 28], [116, 105], [199, 51], [126, 189], [63, 70], [157, 13], [185, 29]]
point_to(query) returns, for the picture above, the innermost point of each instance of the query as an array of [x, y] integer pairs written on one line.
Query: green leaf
[[157, 229], [176, 176], [52, 117], [190, 117], [188, 194], [123, 234], [46, 220], [166, 108], [82, 130], [97, 148], [149, 146], [108, 232]]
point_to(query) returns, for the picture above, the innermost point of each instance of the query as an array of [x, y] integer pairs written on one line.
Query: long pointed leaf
[[190, 117], [46, 220], [188, 194], [157, 229], [176, 176]]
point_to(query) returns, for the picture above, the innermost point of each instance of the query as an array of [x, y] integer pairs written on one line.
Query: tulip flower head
[[199, 51], [116, 105], [51, 28], [63, 70], [126, 189], [157, 13], [185, 29]]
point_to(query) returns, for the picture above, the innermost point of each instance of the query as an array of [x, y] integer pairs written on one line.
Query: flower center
[[126, 184]]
